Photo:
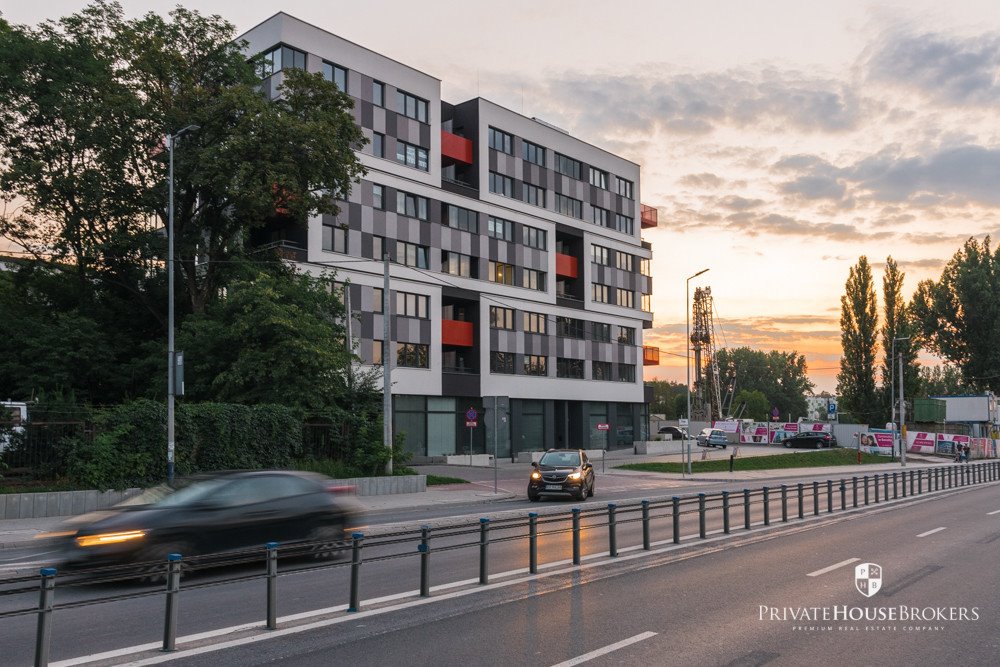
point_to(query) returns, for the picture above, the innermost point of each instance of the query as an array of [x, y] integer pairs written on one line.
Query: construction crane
[[706, 403]]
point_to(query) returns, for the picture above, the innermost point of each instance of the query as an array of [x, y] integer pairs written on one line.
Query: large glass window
[[441, 431], [626, 335], [412, 355], [599, 178], [570, 327], [501, 141], [411, 156], [378, 93], [461, 218], [502, 362], [533, 279], [279, 58], [412, 254], [625, 224], [533, 323], [411, 205], [532, 194], [600, 216], [599, 254], [569, 368], [502, 273], [644, 266], [501, 229], [601, 331], [378, 144], [601, 370], [457, 264], [599, 293], [535, 364], [335, 238], [378, 196], [533, 238], [626, 372], [625, 188], [337, 74], [647, 302], [534, 153], [625, 298], [569, 206], [501, 318], [501, 185], [568, 166], [411, 305], [624, 261], [411, 421], [411, 106]]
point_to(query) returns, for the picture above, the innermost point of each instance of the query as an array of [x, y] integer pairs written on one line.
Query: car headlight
[[536, 475], [575, 475], [109, 538]]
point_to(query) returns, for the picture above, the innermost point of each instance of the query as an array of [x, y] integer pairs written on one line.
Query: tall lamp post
[[171, 353], [687, 358], [892, 369]]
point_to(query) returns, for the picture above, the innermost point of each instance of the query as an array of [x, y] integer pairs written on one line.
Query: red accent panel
[[454, 332], [650, 356], [566, 266], [648, 216], [455, 147]]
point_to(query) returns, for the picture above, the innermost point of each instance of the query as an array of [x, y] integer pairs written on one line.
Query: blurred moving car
[[562, 472], [814, 440], [674, 432], [213, 513], [712, 437]]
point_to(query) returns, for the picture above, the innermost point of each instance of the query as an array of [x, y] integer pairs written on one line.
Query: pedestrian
[[968, 451]]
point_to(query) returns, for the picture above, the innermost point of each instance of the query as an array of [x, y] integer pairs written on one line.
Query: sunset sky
[[780, 140]]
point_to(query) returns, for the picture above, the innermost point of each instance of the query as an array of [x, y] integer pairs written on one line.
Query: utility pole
[[902, 415], [386, 364]]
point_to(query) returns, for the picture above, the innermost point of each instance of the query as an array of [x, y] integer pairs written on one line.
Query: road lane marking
[[993, 512], [610, 648], [931, 532], [833, 567]]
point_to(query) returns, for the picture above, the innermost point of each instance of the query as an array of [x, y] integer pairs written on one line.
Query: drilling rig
[[706, 401]]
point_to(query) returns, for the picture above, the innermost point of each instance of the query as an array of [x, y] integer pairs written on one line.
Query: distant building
[[818, 406]]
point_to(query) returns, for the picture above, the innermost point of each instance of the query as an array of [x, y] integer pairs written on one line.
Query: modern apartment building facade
[[517, 265]]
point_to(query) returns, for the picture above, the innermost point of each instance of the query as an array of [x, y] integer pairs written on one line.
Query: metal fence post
[[875, 484], [816, 498], [425, 561], [866, 488], [912, 475], [800, 489], [645, 525], [746, 508], [533, 542], [43, 635], [701, 515], [895, 487], [484, 556], [725, 512], [272, 585], [576, 535], [843, 495], [784, 503], [920, 481], [767, 505], [355, 602], [612, 530], [854, 489], [675, 503], [173, 588], [829, 495], [885, 487]]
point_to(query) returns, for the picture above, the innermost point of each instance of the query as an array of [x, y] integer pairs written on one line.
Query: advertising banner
[[877, 441]]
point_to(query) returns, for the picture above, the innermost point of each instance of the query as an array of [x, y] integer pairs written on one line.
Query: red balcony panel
[[648, 216], [456, 148], [455, 332], [567, 266], [650, 355]]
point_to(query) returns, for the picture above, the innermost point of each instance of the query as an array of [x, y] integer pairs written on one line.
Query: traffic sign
[[471, 423], [604, 427], [471, 414]]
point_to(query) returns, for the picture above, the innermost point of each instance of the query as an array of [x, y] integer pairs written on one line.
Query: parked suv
[[562, 472], [814, 440], [712, 437]]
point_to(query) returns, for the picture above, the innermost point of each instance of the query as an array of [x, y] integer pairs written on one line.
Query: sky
[[780, 140]]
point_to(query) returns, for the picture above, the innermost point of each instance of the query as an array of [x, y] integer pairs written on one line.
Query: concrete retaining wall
[[475, 460]]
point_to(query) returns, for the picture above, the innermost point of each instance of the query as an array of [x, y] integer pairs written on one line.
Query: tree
[[752, 405], [665, 395], [780, 376], [940, 381], [959, 315], [858, 326], [897, 323]]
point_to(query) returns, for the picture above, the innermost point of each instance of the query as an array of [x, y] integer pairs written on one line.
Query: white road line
[[931, 532], [610, 648], [833, 567], [993, 512]]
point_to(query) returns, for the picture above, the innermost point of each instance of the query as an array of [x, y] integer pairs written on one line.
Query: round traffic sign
[[471, 414]]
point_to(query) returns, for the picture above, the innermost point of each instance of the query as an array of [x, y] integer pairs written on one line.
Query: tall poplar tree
[[858, 338], [897, 324]]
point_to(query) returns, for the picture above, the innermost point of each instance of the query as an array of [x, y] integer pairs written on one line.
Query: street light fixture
[[892, 420], [171, 354], [687, 359]]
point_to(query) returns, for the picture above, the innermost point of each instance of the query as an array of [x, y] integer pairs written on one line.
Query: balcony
[[458, 333], [567, 266], [650, 355], [648, 216], [455, 148]]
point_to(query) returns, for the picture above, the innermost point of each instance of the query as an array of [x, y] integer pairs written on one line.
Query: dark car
[[214, 513], [810, 439], [674, 432], [562, 472]]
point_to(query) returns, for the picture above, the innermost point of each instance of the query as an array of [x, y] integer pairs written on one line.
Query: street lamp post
[[171, 353], [687, 359], [892, 419]]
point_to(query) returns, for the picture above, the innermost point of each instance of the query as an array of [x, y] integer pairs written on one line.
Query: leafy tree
[[940, 381], [858, 325], [752, 405], [897, 323], [665, 395], [959, 314], [780, 376]]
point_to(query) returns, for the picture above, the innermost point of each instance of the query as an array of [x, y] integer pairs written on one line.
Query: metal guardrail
[[830, 495]]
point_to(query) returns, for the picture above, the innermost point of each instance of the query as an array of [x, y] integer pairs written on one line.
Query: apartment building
[[519, 282]]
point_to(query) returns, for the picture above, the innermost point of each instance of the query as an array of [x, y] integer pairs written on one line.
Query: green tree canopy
[[752, 405], [858, 338], [781, 377], [665, 401]]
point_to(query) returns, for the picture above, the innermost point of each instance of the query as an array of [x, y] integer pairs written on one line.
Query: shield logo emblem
[[868, 579]]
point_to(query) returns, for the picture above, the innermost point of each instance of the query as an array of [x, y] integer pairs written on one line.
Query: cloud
[[703, 180], [737, 203], [925, 263]]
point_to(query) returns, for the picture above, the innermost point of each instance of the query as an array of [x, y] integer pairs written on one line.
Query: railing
[[729, 511]]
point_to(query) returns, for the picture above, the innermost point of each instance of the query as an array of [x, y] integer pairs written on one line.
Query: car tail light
[[342, 489]]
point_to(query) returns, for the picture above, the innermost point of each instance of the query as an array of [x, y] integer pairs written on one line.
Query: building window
[[624, 261], [411, 305], [625, 188], [569, 368], [335, 238], [501, 229], [377, 352], [458, 264], [501, 141], [411, 254], [411, 156], [569, 327], [533, 323], [501, 273], [601, 331], [600, 216], [501, 185], [411, 205], [461, 218], [279, 58], [567, 166], [378, 196], [625, 298], [625, 224], [626, 372], [599, 178], [377, 299], [534, 153], [533, 238], [378, 93], [532, 194], [411, 107], [533, 279], [601, 370], [378, 144], [412, 355], [534, 364], [626, 335], [569, 206], [644, 266], [502, 318], [599, 254], [378, 248], [599, 293], [337, 74], [647, 303], [502, 362]]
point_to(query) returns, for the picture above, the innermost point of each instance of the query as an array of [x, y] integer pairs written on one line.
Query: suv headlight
[[575, 475], [536, 475]]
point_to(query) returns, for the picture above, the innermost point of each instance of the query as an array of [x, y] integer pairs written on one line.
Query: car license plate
[[553, 487]]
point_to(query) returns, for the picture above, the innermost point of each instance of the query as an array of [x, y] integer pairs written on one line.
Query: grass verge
[[437, 480], [829, 457]]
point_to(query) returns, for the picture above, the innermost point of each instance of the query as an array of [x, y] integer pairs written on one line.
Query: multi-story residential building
[[517, 267]]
